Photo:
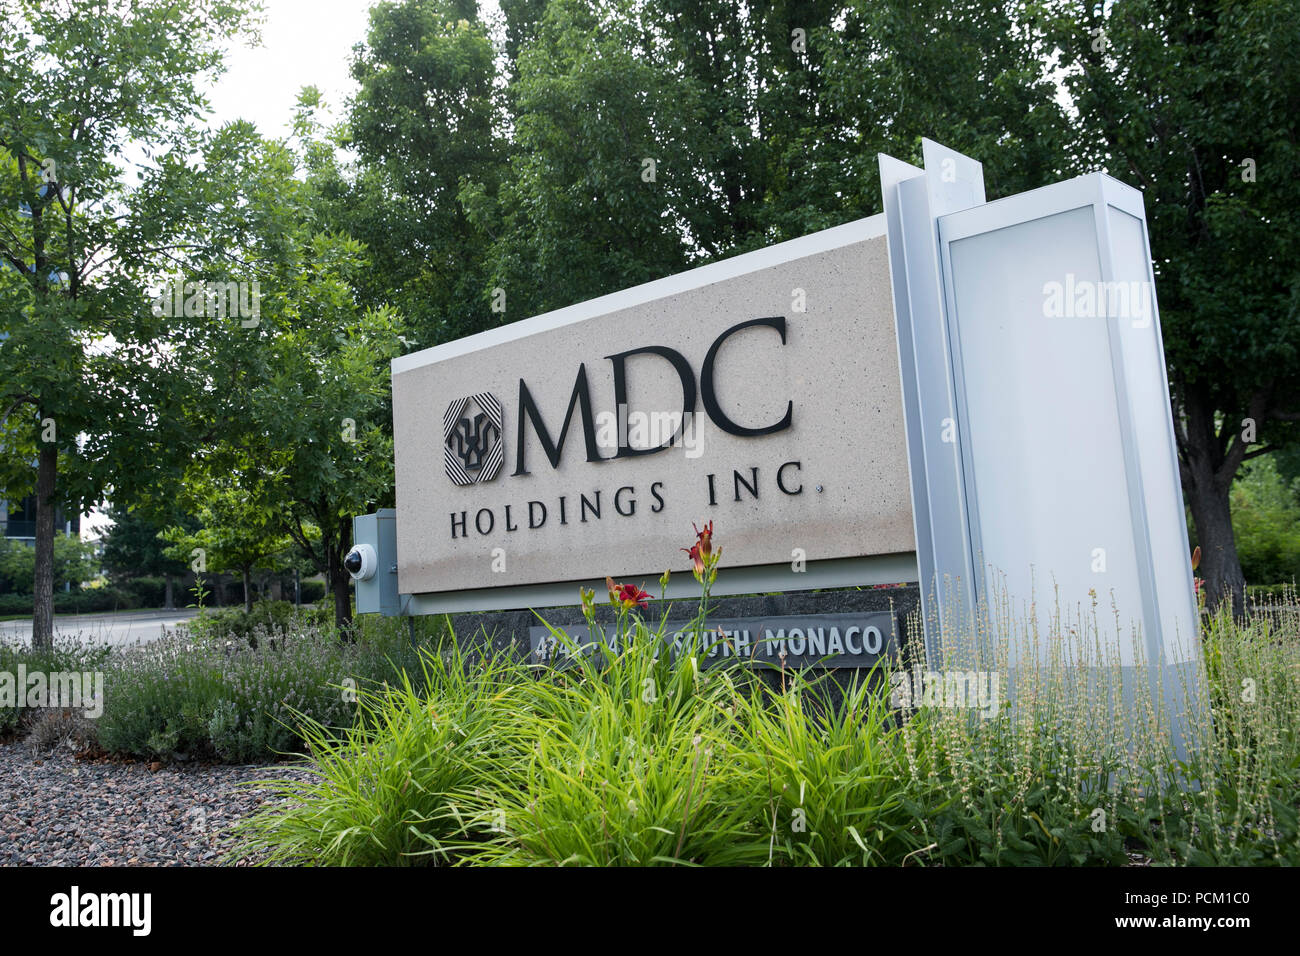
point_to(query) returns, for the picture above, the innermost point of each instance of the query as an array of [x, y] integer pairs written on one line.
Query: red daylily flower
[[704, 556], [704, 539], [630, 596]]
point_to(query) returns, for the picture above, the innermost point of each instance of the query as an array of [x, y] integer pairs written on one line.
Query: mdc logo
[[471, 437]]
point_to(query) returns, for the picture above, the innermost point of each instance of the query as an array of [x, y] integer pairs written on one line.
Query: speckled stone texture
[[837, 370], [58, 810]]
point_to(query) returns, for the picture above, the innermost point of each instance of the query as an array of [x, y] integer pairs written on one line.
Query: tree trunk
[[47, 464], [337, 578], [248, 591], [1220, 567], [1209, 462]]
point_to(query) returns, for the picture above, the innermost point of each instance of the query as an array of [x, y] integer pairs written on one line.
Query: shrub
[[1271, 592], [15, 604], [271, 617], [151, 591], [67, 654], [58, 726], [88, 601], [1266, 523], [389, 790], [235, 700], [632, 758]]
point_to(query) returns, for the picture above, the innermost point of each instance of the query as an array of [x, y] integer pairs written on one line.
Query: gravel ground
[[57, 810]]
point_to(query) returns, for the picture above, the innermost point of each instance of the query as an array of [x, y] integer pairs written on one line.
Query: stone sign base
[[516, 631]]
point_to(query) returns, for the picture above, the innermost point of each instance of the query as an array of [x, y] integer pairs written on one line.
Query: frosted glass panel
[[1045, 463]]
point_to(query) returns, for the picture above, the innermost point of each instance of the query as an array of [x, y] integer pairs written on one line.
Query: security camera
[[361, 562]]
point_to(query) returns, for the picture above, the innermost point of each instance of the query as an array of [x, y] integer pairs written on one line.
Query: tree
[[970, 74], [133, 548], [288, 419], [426, 119], [1266, 523], [74, 564], [595, 189], [78, 366], [1196, 104], [762, 121], [236, 532]]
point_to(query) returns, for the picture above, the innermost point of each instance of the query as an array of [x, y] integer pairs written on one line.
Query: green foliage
[[757, 133], [1267, 592], [66, 654], [89, 601], [1215, 81], [388, 791], [1010, 800], [75, 563], [267, 618], [301, 395], [624, 763], [133, 549], [426, 119], [152, 592], [577, 218], [629, 758], [821, 769], [1266, 522], [77, 337], [235, 531], [968, 74], [241, 701], [1248, 758]]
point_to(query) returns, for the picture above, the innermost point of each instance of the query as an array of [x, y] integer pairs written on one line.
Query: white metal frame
[[927, 211], [914, 199]]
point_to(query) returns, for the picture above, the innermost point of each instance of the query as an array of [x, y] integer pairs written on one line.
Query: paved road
[[122, 627]]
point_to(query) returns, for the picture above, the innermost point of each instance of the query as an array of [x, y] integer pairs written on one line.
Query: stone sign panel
[[761, 393]]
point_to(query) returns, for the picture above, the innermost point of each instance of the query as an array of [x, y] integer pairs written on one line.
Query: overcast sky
[[304, 42]]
